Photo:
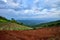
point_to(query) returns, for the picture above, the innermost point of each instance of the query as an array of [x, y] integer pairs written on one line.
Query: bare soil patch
[[52, 33]]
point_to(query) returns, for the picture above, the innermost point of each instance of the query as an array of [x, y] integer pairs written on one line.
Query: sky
[[30, 9]]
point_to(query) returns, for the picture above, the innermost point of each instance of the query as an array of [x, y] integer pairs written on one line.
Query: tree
[[13, 20]]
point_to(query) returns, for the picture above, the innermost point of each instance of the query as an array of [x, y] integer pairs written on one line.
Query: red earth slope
[[52, 33]]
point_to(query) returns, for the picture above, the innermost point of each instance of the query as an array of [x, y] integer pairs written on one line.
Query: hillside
[[48, 24], [32, 22], [52, 33], [3, 19], [12, 24], [6, 24], [44, 31]]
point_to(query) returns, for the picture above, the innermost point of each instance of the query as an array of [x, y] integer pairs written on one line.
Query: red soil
[[52, 33]]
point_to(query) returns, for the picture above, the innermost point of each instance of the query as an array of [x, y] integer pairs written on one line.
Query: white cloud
[[52, 3], [45, 13], [11, 3], [35, 11], [36, 1], [4, 0], [26, 11], [49, 14]]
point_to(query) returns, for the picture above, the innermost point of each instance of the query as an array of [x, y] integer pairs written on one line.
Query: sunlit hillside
[[6, 24]]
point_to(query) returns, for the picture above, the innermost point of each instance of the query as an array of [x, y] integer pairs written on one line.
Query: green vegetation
[[3, 19], [49, 24], [12, 24]]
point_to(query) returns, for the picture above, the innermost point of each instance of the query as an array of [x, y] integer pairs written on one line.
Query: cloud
[[30, 9], [4, 0], [36, 1], [53, 3], [11, 3], [53, 13]]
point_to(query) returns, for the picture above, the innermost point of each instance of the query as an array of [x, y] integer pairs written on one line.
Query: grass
[[13, 26], [6, 24]]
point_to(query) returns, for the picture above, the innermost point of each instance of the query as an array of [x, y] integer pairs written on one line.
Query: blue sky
[[30, 9]]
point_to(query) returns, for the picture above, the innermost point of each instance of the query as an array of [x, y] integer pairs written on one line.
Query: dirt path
[[40, 34]]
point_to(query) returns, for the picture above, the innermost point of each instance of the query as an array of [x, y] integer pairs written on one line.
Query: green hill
[[49, 24], [3, 19], [12, 24], [6, 24]]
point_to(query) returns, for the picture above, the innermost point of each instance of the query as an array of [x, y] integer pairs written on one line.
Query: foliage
[[3, 19], [49, 24], [12, 24]]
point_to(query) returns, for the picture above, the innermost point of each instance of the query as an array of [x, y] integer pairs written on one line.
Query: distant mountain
[[13, 24], [32, 22], [6, 24]]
